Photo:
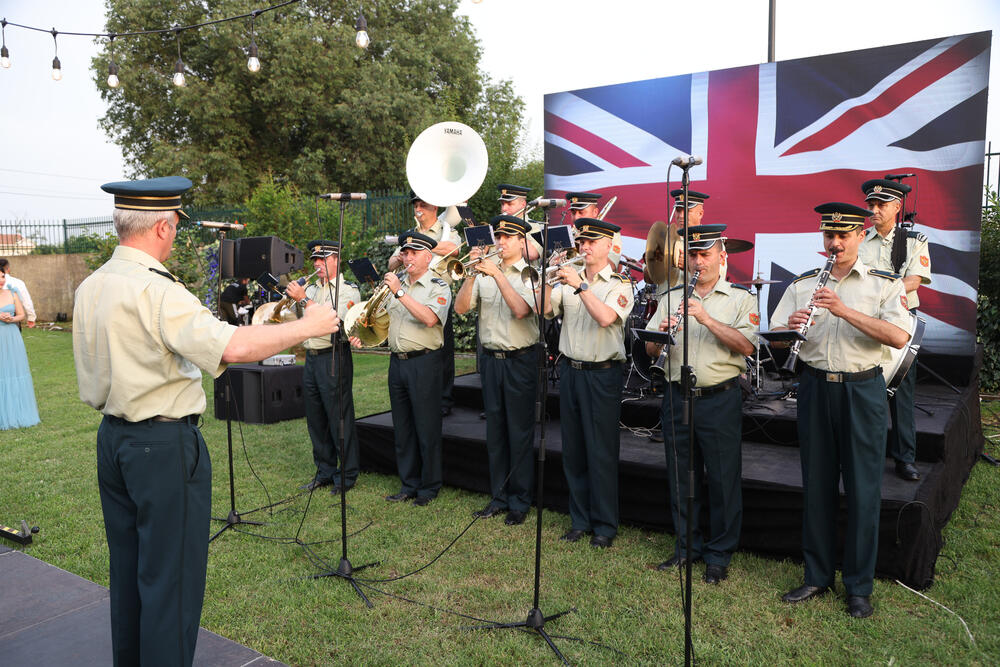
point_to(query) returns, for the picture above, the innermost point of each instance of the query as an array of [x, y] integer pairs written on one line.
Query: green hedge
[[988, 319]]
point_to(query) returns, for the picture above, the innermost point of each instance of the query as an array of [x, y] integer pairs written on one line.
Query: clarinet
[[661, 361], [824, 275]]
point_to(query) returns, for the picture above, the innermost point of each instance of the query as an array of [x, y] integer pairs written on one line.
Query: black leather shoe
[[421, 501], [401, 496], [858, 606], [907, 471], [482, 415], [601, 541], [515, 518], [803, 593], [315, 484], [573, 535], [488, 511], [445, 412], [335, 490], [715, 573], [675, 561]]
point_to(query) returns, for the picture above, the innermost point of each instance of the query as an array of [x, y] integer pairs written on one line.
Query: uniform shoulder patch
[[889, 275], [807, 274], [620, 278], [919, 236], [438, 281]]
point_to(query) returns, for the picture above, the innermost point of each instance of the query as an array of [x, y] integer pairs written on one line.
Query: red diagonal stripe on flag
[[602, 148], [896, 94], [957, 311]]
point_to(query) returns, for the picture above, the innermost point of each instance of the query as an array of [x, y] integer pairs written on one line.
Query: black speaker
[[260, 394], [255, 255], [227, 253]]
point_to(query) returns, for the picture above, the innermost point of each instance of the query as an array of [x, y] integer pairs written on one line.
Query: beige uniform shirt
[[876, 252], [582, 338], [321, 293], [406, 332], [712, 361], [831, 343], [498, 328], [140, 338]]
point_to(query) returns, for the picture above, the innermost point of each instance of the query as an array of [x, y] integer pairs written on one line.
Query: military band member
[[722, 321], [140, 343], [842, 411], [514, 202], [323, 403], [884, 200], [447, 239], [416, 340], [695, 205], [594, 304], [584, 205], [508, 329]]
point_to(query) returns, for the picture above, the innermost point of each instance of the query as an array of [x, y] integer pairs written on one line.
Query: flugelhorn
[[273, 312], [660, 364], [457, 268]]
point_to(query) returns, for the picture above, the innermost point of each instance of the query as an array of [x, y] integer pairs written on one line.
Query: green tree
[[988, 320], [320, 114]]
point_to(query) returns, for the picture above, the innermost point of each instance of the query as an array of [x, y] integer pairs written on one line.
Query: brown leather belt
[[831, 376]]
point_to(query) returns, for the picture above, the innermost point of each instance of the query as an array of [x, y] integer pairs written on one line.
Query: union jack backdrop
[[779, 138]]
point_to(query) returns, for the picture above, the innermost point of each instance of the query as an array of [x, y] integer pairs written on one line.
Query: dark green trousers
[[448, 361], [323, 405], [415, 398], [718, 459], [590, 403], [155, 481], [509, 393], [902, 444], [842, 427]]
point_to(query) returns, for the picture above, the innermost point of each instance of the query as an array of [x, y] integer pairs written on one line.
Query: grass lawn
[[259, 593]]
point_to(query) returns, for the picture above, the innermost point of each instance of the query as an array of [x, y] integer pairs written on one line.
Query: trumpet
[[275, 317], [661, 361], [607, 207], [369, 320], [457, 268], [552, 272]]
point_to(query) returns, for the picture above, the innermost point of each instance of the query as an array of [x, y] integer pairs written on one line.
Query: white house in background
[[15, 244]]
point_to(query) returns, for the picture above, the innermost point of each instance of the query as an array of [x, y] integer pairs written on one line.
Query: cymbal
[[656, 253], [757, 282], [737, 245]]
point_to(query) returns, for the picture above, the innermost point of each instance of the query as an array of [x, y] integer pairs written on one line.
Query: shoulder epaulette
[[674, 287], [807, 274], [439, 281], [620, 278], [884, 274], [920, 236], [350, 284], [171, 277], [745, 288]]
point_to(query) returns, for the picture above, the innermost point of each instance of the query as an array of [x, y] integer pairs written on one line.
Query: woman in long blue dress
[[17, 392]]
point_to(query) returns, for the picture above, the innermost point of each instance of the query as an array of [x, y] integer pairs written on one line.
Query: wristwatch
[[303, 301], [399, 293], [582, 288]]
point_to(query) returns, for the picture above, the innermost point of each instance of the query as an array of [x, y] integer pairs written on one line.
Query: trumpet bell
[[447, 163], [265, 313], [530, 276], [371, 334]]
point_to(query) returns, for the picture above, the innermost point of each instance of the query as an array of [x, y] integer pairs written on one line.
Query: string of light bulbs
[[253, 62]]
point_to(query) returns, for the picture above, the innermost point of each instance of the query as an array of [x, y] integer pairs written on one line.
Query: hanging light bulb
[[113, 67], [253, 63], [4, 53], [362, 27], [56, 65], [179, 80]]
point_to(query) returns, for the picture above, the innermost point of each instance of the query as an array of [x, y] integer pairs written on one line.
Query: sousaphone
[[447, 164]]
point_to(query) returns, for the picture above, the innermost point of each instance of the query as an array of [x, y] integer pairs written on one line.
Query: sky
[[54, 156]]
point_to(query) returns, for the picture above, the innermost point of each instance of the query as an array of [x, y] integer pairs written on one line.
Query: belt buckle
[[578, 365], [499, 355], [834, 377], [696, 391], [401, 356]]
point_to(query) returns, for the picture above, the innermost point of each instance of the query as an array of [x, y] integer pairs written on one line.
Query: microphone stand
[[687, 385], [344, 570], [536, 620]]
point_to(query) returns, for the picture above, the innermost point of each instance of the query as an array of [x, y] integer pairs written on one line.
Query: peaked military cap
[[579, 200], [592, 228], [321, 248], [509, 225], [416, 240], [883, 189], [694, 198], [150, 194], [510, 192], [703, 237], [840, 217]]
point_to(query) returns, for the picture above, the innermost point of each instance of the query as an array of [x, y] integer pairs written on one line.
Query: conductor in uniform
[[508, 329], [416, 312], [140, 343], [842, 411], [594, 304], [722, 324], [910, 257], [323, 403]]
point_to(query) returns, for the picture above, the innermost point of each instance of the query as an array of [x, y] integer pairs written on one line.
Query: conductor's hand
[[392, 281], [295, 290], [321, 319]]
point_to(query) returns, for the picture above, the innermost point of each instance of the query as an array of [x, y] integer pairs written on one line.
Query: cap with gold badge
[[592, 228], [693, 198], [509, 225], [510, 192], [322, 248], [150, 194], [840, 217], [416, 241], [579, 200], [884, 189], [703, 237]]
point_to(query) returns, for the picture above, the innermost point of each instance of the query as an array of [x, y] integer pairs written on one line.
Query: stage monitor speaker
[[261, 394], [227, 253], [255, 255]]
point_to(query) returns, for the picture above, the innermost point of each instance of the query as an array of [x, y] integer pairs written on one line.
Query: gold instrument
[[660, 364], [457, 268], [658, 267], [276, 312], [369, 320], [607, 207]]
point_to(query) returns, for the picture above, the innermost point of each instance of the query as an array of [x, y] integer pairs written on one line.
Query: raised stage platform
[[913, 513]]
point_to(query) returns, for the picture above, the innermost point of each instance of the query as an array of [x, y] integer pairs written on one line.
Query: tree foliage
[[988, 320], [321, 114]]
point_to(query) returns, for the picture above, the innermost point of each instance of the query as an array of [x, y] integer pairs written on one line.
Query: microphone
[[219, 225], [344, 196], [685, 162], [546, 203], [897, 177]]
